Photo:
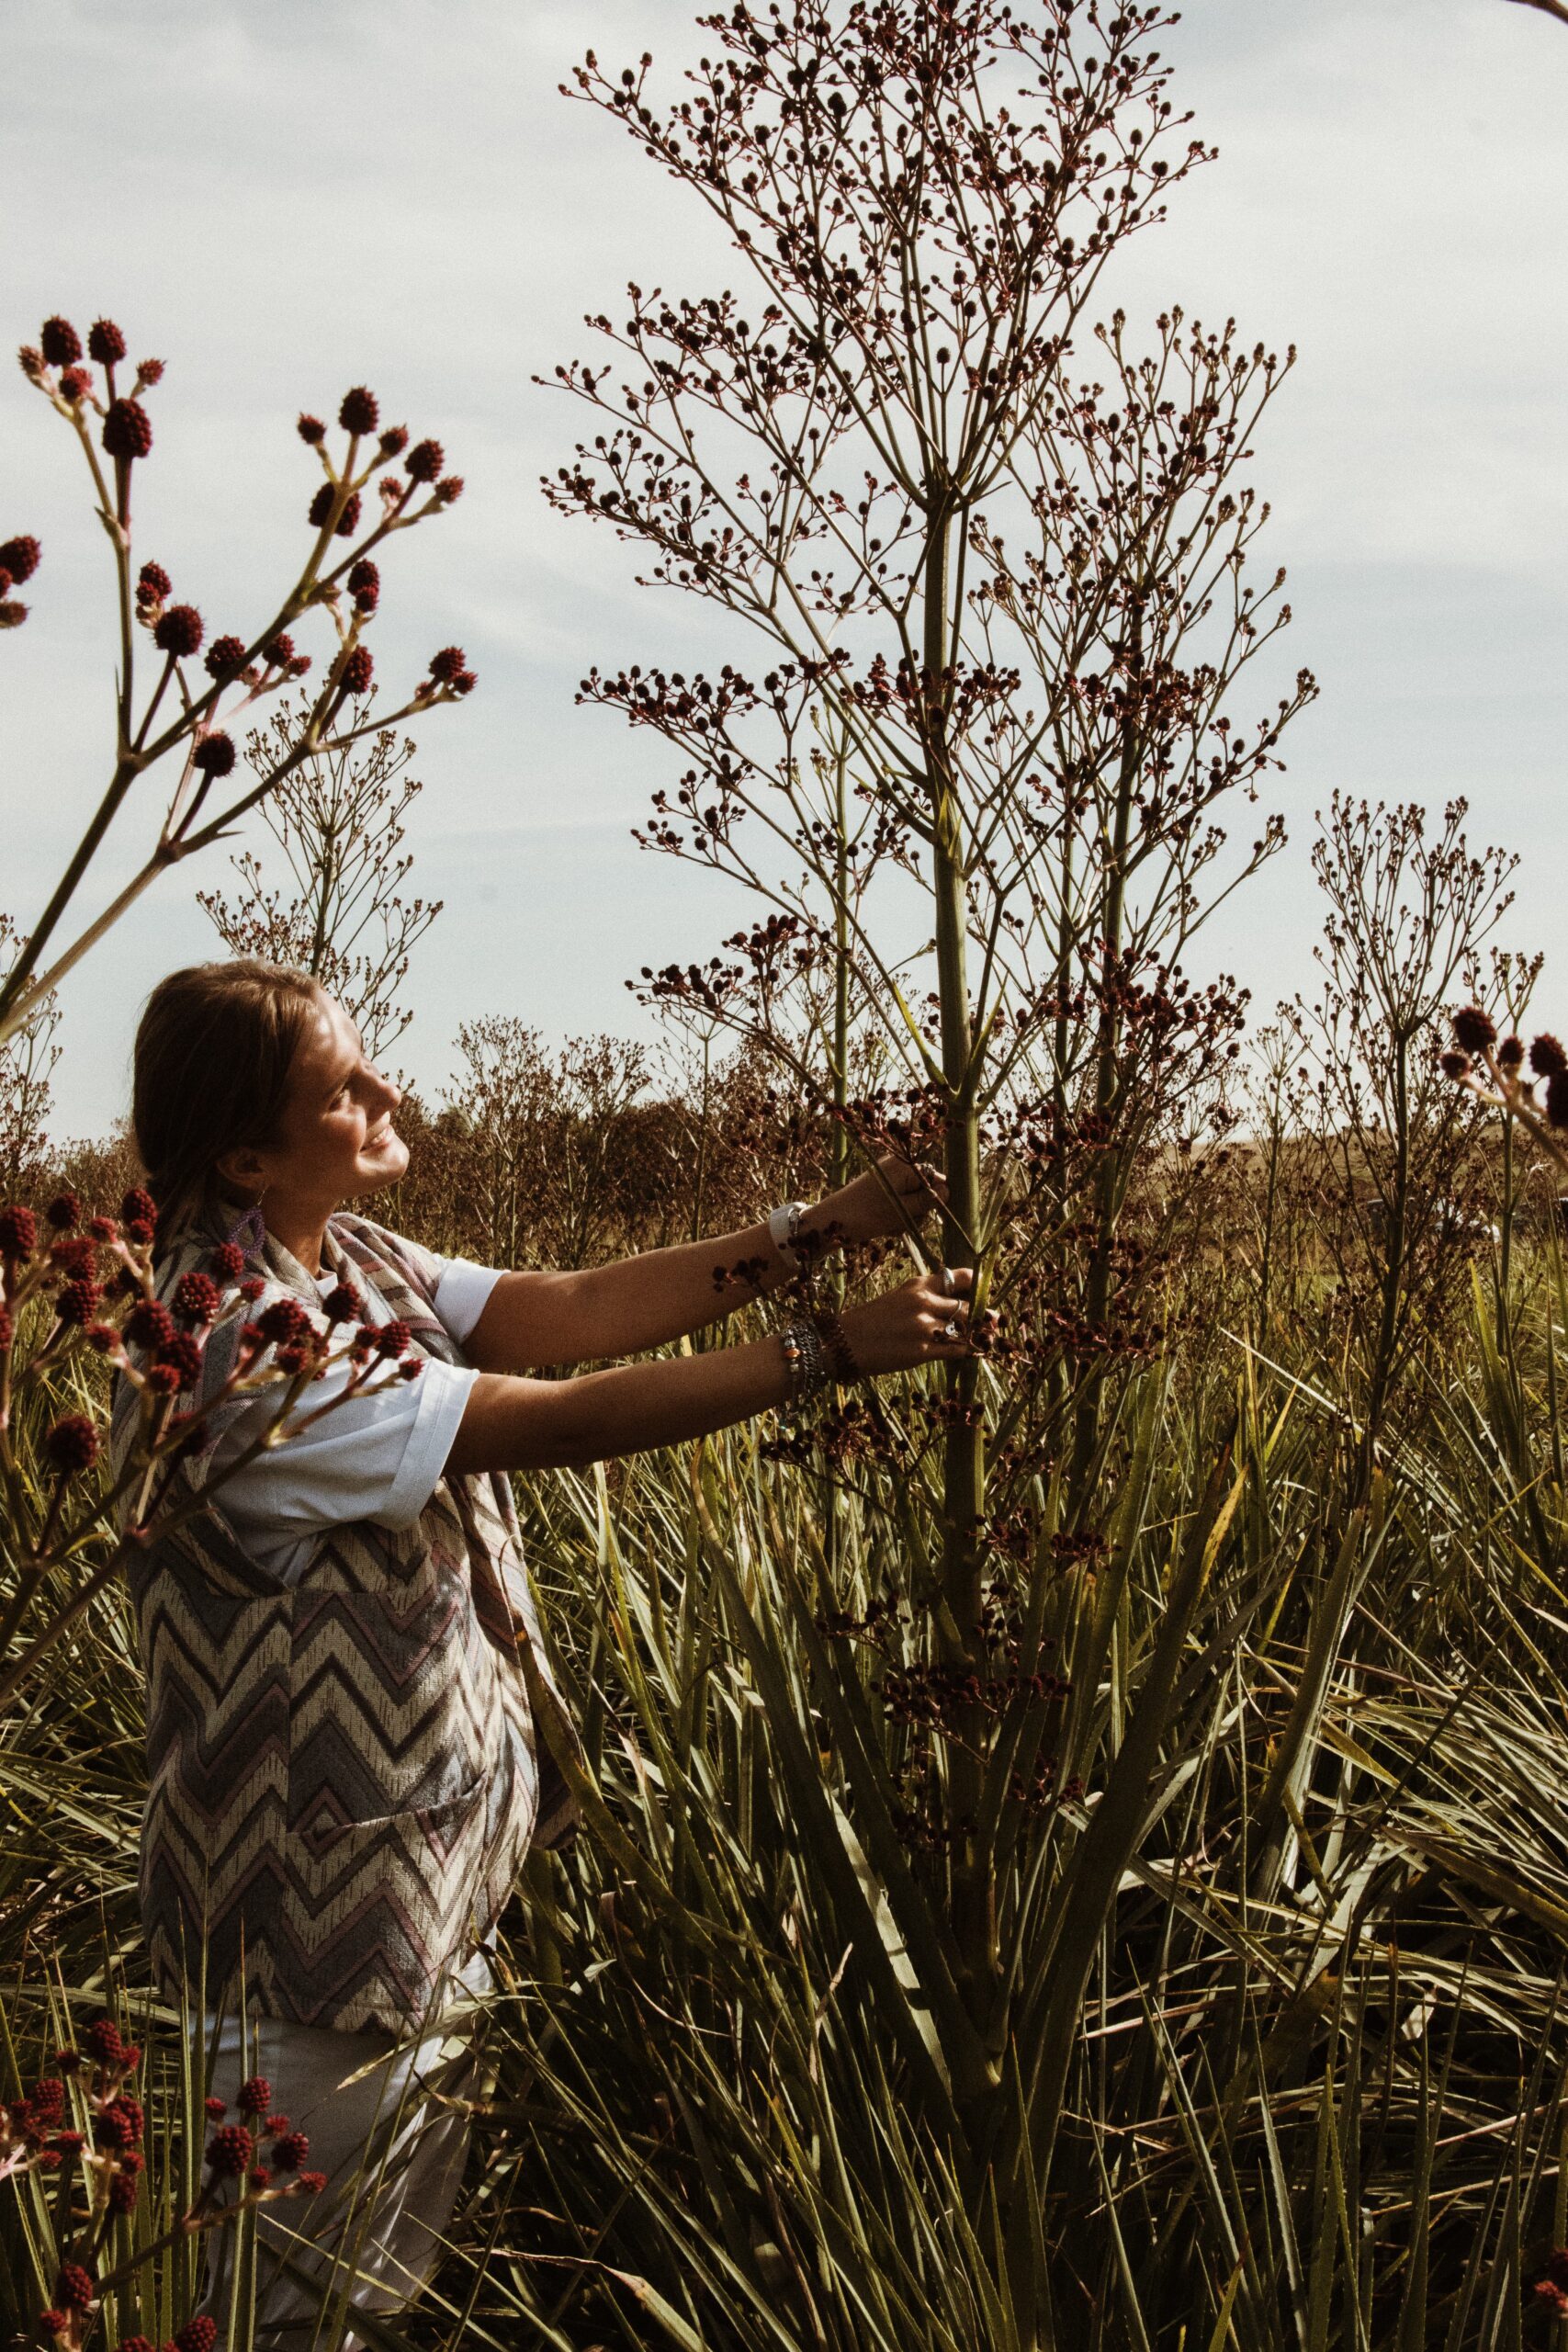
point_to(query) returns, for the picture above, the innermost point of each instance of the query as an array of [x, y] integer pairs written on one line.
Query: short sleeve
[[378, 1457], [462, 1290]]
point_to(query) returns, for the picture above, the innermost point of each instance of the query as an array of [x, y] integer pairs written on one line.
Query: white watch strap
[[784, 1223]]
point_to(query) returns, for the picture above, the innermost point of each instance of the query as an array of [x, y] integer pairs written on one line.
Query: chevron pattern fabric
[[345, 1773]]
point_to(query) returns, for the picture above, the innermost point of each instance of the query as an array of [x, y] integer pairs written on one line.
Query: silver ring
[[949, 1287], [950, 1328]]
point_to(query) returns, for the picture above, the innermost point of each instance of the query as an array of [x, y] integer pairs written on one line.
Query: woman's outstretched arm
[[533, 1319], [511, 1424]]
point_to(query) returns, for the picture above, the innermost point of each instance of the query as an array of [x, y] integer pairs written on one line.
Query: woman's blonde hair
[[214, 1048]]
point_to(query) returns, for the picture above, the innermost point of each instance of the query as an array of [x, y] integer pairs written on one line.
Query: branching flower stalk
[[177, 718], [1000, 604]]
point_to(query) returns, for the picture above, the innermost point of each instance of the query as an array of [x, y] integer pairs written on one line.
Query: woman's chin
[[383, 1166]]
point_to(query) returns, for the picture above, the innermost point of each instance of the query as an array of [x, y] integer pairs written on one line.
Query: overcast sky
[[281, 198]]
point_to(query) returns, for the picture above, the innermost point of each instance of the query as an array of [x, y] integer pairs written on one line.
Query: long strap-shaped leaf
[[1115, 1829]]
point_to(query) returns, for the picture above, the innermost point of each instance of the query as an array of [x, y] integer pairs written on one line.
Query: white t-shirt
[[372, 1457]]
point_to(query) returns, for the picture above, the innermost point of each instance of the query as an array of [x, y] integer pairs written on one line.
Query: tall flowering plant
[[76, 1288], [79, 2133]]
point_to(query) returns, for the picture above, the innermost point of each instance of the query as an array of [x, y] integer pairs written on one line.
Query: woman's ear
[[242, 1167]]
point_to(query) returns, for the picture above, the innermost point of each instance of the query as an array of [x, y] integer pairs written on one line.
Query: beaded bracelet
[[806, 1363], [840, 1356]]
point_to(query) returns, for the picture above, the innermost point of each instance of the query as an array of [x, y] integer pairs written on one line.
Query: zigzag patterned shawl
[[344, 1771]]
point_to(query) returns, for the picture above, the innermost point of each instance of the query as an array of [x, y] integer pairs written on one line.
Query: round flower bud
[[230, 2151], [411, 1368], [1547, 1057], [278, 2123], [196, 1297], [284, 1319], [74, 384], [60, 342], [74, 2289], [21, 557], [348, 521], [148, 372], [312, 430], [251, 1287], [123, 2190], [214, 754], [137, 2343], [120, 2124], [78, 1302], [198, 2334], [102, 1337], [321, 505], [7, 1329], [105, 343], [449, 663], [228, 1262], [254, 2095], [310, 2184], [18, 1231], [280, 650], [225, 655], [30, 361], [1511, 1053], [138, 1206], [72, 1445], [182, 1355], [424, 462], [217, 2110], [358, 670], [450, 490], [150, 1324], [74, 1254], [1473, 1029], [180, 631], [394, 441], [290, 2150], [392, 1339], [365, 579], [142, 1232], [292, 1356], [343, 1305], [64, 1212], [1454, 1065], [103, 1229], [127, 430], [55, 2323], [103, 2042], [152, 585], [359, 412]]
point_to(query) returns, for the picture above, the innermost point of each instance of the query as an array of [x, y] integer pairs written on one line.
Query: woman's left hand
[[892, 1197]]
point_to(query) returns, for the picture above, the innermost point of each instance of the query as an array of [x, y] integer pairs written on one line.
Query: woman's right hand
[[910, 1325]]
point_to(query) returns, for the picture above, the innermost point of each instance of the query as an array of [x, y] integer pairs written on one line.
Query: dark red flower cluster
[[179, 632], [225, 656], [343, 1303], [424, 462], [196, 1298], [127, 431], [228, 1262], [75, 383], [60, 342], [254, 2095], [213, 755], [72, 1445], [229, 2150], [365, 586], [139, 1207], [105, 343], [19, 1232], [150, 1324], [360, 411], [20, 558], [358, 670]]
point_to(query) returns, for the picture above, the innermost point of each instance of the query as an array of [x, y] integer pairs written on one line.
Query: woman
[[353, 1737]]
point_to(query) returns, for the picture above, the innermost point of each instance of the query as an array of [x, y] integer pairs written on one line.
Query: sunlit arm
[[536, 1319]]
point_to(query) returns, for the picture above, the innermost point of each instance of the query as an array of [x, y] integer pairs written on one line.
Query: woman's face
[[336, 1138]]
